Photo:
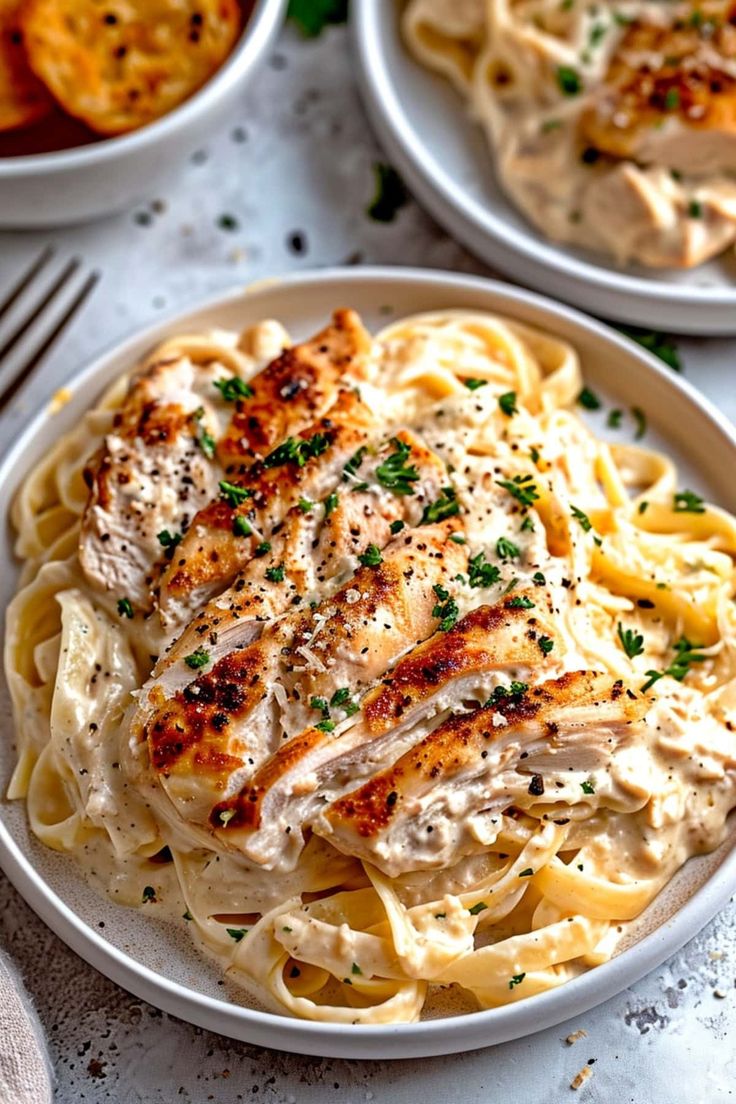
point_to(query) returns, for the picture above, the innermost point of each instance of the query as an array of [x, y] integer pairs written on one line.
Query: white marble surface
[[297, 157]]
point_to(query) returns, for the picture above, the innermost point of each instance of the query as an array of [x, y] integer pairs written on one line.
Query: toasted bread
[[119, 64]]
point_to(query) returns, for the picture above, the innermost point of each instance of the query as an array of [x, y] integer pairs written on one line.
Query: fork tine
[[22, 374], [27, 278], [53, 291]]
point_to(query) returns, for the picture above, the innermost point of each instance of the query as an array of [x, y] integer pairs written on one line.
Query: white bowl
[[156, 961], [76, 185], [443, 156]]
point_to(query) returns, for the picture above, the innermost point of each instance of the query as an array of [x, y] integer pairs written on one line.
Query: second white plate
[[444, 159]]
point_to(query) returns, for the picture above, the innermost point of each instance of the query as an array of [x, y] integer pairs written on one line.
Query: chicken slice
[[319, 541], [202, 735], [155, 470], [433, 804], [669, 97], [316, 767]]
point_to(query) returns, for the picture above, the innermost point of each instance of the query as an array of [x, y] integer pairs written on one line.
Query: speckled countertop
[[292, 175]]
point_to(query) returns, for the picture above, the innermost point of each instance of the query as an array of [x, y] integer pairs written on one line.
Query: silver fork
[[40, 324]]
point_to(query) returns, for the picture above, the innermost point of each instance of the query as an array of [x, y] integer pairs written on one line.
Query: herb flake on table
[[390, 194], [312, 16]]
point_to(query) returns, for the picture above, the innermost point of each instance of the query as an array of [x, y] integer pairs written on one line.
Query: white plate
[[156, 961], [444, 158]]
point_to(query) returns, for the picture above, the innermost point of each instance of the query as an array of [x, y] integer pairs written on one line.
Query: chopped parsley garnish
[[613, 421], [587, 787], [538, 578], [237, 933], [641, 422], [458, 538], [534, 454], [331, 503], [342, 699], [643, 507], [685, 655], [506, 549], [275, 574], [241, 526], [233, 494], [233, 388], [516, 980], [187, 915], [569, 80], [312, 16], [149, 894], [474, 384], [527, 525], [514, 691], [522, 487], [262, 549], [297, 450], [528, 873], [443, 507], [306, 505], [440, 916], [631, 642], [695, 209], [687, 502], [321, 705], [197, 659], [589, 399], [390, 194], [397, 526], [355, 969], [546, 644], [124, 608], [507, 403], [519, 601], [326, 725], [480, 907], [672, 99], [371, 557], [585, 523], [355, 461], [394, 473], [446, 609], [167, 539], [481, 573], [204, 438], [660, 345]]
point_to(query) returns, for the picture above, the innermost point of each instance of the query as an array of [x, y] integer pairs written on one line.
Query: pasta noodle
[[500, 884]]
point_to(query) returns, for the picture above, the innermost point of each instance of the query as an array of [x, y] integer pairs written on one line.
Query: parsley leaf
[[585, 523], [275, 574], [685, 655], [371, 557], [394, 473], [507, 402], [631, 642], [331, 503], [474, 384], [686, 502], [125, 609], [521, 487], [589, 399], [516, 980], [519, 601], [390, 194], [514, 691], [568, 80], [233, 388], [480, 907], [546, 644], [233, 494], [481, 573], [444, 507], [587, 787], [613, 421], [236, 933], [446, 609], [262, 549], [312, 16], [297, 450], [641, 422], [397, 526], [241, 526], [197, 659], [506, 549], [149, 894], [660, 345]]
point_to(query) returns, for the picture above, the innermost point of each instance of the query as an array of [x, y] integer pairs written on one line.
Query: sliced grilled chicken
[[153, 473], [225, 534], [206, 733], [669, 97], [297, 388], [420, 812], [316, 767], [319, 541]]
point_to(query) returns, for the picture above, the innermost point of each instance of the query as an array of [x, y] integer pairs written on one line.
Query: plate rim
[[431, 1037], [527, 255]]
